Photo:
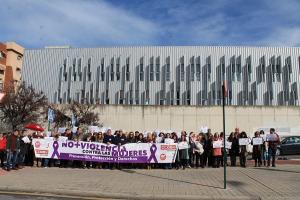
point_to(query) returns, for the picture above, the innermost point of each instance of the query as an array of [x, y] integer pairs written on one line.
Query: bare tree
[[61, 118], [22, 106], [84, 113]]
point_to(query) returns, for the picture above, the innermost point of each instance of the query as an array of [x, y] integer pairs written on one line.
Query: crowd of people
[[16, 152]]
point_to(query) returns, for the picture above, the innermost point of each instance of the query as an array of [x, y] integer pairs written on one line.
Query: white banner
[[99, 152]]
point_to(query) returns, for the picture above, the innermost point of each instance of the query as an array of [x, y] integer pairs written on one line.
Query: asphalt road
[[37, 197], [24, 197]]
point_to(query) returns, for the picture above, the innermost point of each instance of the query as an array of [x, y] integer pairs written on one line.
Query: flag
[[73, 120], [51, 115]]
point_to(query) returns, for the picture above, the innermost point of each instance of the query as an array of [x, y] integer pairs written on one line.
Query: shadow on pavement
[[169, 179], [277, 170], [235, 183]]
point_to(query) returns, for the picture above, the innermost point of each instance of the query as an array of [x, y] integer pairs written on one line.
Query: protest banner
[[100, 152], [244, 141], [257, 141], [217, 144], [183, 145], [227, 144]]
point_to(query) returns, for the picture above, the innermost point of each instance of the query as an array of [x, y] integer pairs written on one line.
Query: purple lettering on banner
[[99, 152], [100, 158], [55, 149], [153, 150]]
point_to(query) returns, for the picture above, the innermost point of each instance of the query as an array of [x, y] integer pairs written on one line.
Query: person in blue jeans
[[273, 147], [12, 150]]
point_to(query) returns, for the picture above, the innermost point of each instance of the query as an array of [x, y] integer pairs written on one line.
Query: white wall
[[191, 118]]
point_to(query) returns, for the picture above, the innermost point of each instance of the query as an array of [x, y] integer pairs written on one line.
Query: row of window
[[235, 67]]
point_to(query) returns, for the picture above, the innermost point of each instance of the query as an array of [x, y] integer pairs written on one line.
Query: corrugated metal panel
[[279, 85]]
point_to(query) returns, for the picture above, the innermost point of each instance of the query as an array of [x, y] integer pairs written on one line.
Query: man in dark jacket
[[273, 147], [12, 150]]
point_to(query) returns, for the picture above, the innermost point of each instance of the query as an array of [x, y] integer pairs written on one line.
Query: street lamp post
[[224, 91]]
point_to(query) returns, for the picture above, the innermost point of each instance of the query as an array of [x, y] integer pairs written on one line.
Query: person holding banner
[[177, 159], [264, 152], [2, 148], [257, 143], [198, 151], [184, 152], [168, 140], [217, 150], [234, 151], [243, 148], [273, 141]]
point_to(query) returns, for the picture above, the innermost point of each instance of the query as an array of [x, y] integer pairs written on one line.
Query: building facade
[[11, 57], [166, 75]]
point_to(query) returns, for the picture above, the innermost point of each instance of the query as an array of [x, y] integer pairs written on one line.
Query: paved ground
[[249, 183]]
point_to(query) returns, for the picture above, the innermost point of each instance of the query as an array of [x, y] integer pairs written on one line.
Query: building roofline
[[68, 47]]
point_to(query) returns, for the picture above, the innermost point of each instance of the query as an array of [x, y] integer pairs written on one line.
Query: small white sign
[[244, 141], [217, 144], [257, 141], [227, 145], [183, 145], [169, 141]]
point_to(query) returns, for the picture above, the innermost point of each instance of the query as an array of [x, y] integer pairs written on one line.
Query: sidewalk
[[249, 183]]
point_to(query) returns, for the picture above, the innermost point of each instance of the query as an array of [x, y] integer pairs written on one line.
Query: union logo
[[37, 144], [163, 156]]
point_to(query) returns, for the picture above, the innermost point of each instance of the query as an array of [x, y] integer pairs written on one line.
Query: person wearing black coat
[[234, 151]]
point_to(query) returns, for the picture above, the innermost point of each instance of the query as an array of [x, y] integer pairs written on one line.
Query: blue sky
[[94, 23]]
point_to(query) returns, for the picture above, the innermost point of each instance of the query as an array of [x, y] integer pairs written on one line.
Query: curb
[[100, 195]]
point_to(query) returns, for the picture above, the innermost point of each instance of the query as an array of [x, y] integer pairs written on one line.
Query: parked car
[[289, 146]]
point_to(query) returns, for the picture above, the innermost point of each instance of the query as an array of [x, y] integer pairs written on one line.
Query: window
[[232, 66], [273, 69], [141, 69], [182, 69], [222, 61], [168, 70], [151, 69], [192, 64], [89, 69], [208, 65], [262, 63], [118, 73], [157, 69], [79, 69], [177, 97], [127, 70], [198, 69], [238, 69], [289, 66], [102, 70], [112, 70], [249, 67], [2, 55], [74, 69], [278, 69]]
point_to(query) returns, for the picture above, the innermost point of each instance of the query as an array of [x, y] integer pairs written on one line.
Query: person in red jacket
[[2, 148]]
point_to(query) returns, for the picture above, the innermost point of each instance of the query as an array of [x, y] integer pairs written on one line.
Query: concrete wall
[[285, 119]]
